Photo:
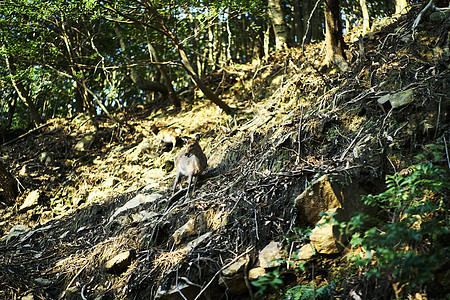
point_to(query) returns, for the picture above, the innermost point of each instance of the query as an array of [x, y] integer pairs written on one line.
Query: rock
[[327, 192], [389, 101], [43, 281], [153, 174], [194, 243], [136, 201], [28, 297], [46, 158], [119, 263], [255, 273], [233, 277], [236, 267], [270, 254], [85, 143], [306, 252], [143, 216], [325, 237], [194, 226], [31, 201]]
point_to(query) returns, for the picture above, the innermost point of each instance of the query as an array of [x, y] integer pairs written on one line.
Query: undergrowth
[[406, 243]]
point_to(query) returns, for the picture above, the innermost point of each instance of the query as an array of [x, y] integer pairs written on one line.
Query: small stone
[[85, 143], [269, 256], [306, 252], [31, 201], [236, 267], [135, 202], [255, 273], [43, 281], [119, 263], [389, 101]]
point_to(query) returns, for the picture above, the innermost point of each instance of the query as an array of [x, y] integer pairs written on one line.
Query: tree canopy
[[61, 58]]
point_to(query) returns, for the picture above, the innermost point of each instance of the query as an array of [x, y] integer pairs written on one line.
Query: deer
[[190, 162], [166, 135]]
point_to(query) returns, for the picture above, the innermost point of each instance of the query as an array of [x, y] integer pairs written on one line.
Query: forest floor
[[291, 125]]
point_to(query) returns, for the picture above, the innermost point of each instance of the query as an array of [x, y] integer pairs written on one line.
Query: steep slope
[[292, 125]]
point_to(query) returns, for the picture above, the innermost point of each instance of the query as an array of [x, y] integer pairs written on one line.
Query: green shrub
[[407, 244]]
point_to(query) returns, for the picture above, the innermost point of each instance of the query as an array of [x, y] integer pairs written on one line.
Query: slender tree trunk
[[333, 36], [22, 91], [297, 23], [11, 109], [8, 183], [166, 78], [200, 84], [306, 11], [365, 13], [279, 25], [258, 41]]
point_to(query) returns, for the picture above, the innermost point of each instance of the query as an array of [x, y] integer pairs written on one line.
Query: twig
[[351, 144], [76, 275], [299, 138], [438, 116], [220, 270], [446, 152], [247, 282]]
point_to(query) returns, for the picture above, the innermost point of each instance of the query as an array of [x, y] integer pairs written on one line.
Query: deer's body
[[167, 135], [190, 162]]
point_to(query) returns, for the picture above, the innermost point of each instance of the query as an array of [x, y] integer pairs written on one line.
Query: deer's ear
[[197, 137], [185, 139]]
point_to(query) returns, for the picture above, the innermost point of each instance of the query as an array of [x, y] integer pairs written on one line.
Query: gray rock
[[389, 101], [135, 202]]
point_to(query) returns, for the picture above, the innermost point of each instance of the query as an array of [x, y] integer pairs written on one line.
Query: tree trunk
[[297, 23], [258, 41], [200, 84], [365, 13], [166, 78], [333, 36], [8, 183], [279, 25], [22, 91], [306, 11]]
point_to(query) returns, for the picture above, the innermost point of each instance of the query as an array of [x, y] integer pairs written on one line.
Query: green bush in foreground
[[408, 244]]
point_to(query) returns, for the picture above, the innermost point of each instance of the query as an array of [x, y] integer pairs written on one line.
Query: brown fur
[[167, 135], [190, 162]]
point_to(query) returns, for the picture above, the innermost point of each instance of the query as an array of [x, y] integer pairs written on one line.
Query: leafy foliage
[[408, 243], [309, 292]]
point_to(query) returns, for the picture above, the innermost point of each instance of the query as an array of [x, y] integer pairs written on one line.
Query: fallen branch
[[24, 135]]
